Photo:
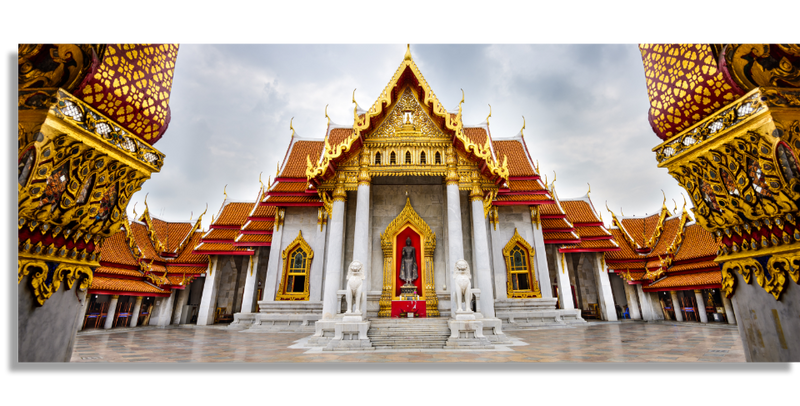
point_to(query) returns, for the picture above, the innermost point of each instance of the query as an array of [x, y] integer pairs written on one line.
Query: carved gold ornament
[[518, 264], [408, 217], [46, 277], [294, 267], [753, 65]]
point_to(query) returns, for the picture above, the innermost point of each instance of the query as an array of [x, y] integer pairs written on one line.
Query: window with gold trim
[[392, 158], [422, 159], [377, 158], [437, 158], [521, 283], [408, 157], [296, 265]]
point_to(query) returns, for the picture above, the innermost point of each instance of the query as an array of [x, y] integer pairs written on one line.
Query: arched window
[[408, 157], [422, 159], [521, 283], [438, 158], [296, 264], [392, 159], [377, 158]]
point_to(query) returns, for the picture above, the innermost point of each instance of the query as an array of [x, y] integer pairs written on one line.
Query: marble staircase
[[418, 333]]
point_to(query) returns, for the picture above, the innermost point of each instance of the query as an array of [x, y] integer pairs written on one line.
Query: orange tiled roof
[[234, 214], [175, 234], [335, 137], [518, 164], [160, 229], [625, 252], [476, 134], [692, 279], [115, 249], [259, 226], [556, 224], [117, 271], [579, 211], [292, 199], [189, 270], [143, 240], [641, 228], [295, 165], [212, 247], [123, 285], [525, 185], [178, 280], [254, 238], [636, 276], [593, 244], [264, 211], [187, 257], [697, 243], [593, 231], [559, 236], [521, 198], [293, 187], [550, 209], [671, 229], [221, 234], [694, 265], [626, 265]]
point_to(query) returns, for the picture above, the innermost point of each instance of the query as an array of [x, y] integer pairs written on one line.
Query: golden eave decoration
[[367, 122]]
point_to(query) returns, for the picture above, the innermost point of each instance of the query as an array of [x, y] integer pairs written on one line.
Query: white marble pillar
[[181, 301], [208, 302], [540, 256], [165, 311], [112, 311], [604, 294], [651, 306], [361, 247], [562, 279], [633, 301], [250, 282], [676, 305], [333, 264], [482, 269], [728, 310], [274, 264], [455, 238], [137, 307], [701, 305]]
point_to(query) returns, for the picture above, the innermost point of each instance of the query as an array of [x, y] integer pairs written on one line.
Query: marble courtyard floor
[[595, 342]]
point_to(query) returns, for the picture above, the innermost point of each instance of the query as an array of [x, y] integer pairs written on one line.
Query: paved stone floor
[[596, 342]]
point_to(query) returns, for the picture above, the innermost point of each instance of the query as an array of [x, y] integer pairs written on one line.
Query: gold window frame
[[533, 292], [298, 243]]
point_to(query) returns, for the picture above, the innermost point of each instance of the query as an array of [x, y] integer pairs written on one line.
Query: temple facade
[[399, 198]]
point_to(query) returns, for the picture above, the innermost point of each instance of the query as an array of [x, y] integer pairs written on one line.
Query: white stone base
[[352, 317], [286, 317], [324, 331], [467, 334], [350, 336], [524, 313], [465, 315], [242, 321], [492, 330]]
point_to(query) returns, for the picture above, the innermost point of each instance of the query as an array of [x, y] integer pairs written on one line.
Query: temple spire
[[407, 56]]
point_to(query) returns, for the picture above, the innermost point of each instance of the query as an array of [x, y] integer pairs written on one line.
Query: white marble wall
[[510, 218], [299, 219]]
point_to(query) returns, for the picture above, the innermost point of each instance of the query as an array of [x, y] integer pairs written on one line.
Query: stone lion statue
[[462, 282], [355, 282]]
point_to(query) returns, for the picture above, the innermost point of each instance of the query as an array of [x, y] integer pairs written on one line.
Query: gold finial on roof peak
[[676, 205], [278, 171], [407, 56], [590, 189], [191, 216], [224, 192], [521, 133], [326, 115], [461, 102], [134, 209], [259, 180], [621, 212], [354, 96], [290, 126], [490, 114]]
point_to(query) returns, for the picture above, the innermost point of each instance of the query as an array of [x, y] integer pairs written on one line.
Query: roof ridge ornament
[[590, 189], [326, 115], [407, 56], [490, 114], [224, 192], [292, 128], [522, 134]]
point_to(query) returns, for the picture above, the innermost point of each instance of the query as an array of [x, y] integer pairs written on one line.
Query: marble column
[[333, 263], [728, 310], [208, 302], [274, 264], [361, 246], [676, 305], [604, 294], [165, 311], [701, 305], [250, 283], [482, 268], [181, 301], [540, 255], [455, 238], [562, 279], [633, 301], [651, 307], [84, 310], [137, 307], [112, 311]]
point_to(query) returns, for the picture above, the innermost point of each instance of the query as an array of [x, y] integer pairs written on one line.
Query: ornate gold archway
[[408, 217]]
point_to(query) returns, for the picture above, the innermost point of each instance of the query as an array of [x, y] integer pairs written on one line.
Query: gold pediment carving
[[407, 120]]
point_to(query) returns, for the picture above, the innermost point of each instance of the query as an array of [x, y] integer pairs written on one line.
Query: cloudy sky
[[585, 107]]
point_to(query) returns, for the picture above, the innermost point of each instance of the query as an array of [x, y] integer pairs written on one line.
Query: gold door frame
[[408, 217]]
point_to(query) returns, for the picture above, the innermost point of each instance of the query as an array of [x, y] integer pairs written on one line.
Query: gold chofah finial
[[224, 192], [278, 171], [259, 180], [521, 133], [407, 56], [490, 114], [664, 203], [290, 126], [590, 189], [676, 205], [134, 210], [354, 96], [191, 216], [462, 100], [621, 212], [326, 115]]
